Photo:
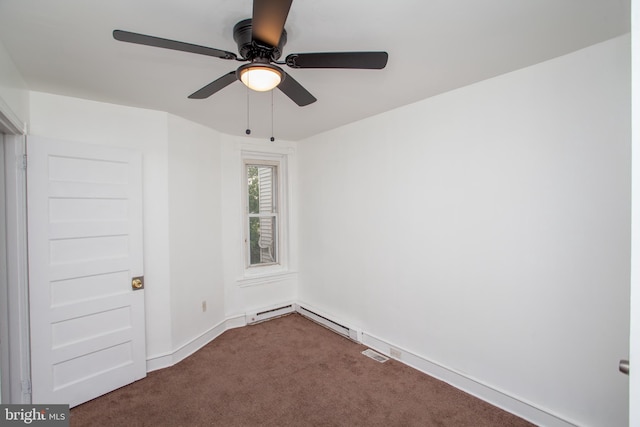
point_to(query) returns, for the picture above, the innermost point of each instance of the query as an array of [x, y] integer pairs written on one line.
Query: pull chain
[[272, 138], [248, 131]]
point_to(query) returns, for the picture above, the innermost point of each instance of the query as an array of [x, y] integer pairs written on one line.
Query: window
[[263, 174], [262, 220]]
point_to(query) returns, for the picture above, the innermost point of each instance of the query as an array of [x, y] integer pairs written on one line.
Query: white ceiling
[[66, 47]]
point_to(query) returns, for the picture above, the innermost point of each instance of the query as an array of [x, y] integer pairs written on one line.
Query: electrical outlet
[[395, 353], [204, 306]]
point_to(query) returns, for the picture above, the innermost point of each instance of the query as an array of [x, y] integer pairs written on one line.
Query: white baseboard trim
[[159, 361], [169, 359], [500, 399]]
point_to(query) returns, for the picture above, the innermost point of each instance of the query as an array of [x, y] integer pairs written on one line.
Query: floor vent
[[375, 356]]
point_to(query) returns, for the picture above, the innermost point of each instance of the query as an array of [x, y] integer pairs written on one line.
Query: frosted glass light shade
[[260, 78]]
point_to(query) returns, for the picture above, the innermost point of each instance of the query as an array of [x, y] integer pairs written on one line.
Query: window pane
[[261, 186], [262, 236]]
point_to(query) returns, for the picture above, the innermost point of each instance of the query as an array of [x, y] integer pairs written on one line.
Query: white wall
[[487, 230], [195, 229], [14, 97], [144, 130]]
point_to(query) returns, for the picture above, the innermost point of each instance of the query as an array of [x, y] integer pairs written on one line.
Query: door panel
[[85, 246]]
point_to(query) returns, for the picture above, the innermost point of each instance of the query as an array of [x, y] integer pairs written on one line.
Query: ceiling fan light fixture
[[260, 77]]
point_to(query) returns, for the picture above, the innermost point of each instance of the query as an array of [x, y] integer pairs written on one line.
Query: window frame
[[272, 215], [278, 162]]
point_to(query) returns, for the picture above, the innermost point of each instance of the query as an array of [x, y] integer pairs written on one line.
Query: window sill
[[264, 278]]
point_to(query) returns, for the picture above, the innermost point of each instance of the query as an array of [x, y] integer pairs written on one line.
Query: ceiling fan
[[260, 41]]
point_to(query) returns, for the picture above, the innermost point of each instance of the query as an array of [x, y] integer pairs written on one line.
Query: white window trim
[[260, 274]]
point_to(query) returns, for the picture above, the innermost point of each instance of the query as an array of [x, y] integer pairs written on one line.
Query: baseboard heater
[[334, 326], [268, 314]]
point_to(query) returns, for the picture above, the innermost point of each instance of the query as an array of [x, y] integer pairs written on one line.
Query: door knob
[[624, 366], [137, 283]]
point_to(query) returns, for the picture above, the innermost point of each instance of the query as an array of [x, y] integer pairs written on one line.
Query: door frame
[[634, 338], [16, 357], [5, 369]]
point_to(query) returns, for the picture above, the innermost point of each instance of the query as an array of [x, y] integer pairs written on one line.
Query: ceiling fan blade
[[214, 86], [359, 60], [268, 20], [294, 90], [126, 36]]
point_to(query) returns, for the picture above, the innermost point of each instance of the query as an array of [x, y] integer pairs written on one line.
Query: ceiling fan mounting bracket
[[250, 48]]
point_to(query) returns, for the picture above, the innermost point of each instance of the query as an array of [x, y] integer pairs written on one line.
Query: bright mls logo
[[36, 415]]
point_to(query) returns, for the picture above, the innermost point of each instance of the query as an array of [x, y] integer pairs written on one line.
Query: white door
[[85, 247]]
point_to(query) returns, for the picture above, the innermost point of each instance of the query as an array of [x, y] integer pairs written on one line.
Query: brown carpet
[[288, 372]]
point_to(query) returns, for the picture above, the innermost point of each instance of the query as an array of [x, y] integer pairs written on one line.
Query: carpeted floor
[[288, 372]]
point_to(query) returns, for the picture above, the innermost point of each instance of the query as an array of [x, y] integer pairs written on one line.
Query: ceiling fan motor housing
[[250, 49]]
